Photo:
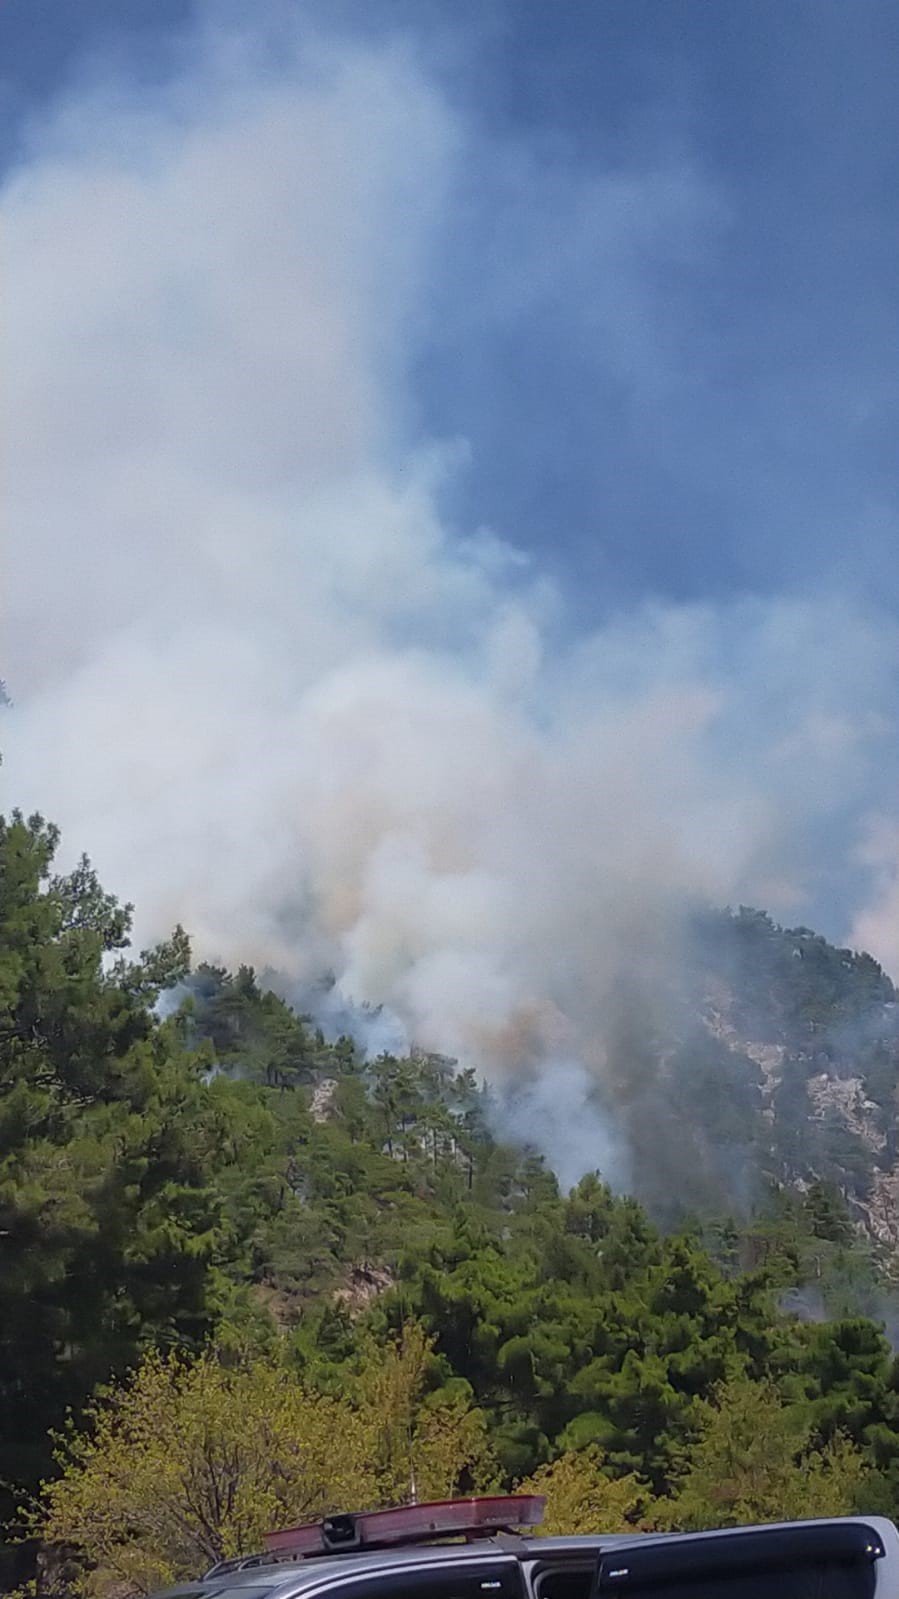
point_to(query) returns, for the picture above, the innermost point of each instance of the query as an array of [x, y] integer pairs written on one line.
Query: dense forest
[[209, 1213]]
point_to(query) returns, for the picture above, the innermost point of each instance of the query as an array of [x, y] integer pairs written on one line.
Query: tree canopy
[[191, 1461], [207, 1209]]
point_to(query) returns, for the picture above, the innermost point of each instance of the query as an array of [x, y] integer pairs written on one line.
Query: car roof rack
[[469, 1519]]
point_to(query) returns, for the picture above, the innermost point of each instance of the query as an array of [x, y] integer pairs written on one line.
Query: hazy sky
[[705, 402], [452, 480]]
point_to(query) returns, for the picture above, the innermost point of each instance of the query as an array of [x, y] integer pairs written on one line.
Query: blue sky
[[452, 463], [763, 455]]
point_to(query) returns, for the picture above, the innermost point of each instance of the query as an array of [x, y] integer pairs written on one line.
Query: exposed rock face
[[365, 1282], [322, 1098], [845, 1098], [768, 1057], [816, 1031], [834, 1101], [880, 1215]]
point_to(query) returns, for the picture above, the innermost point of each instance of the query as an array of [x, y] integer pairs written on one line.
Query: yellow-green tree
[[580, 1497], [423, 1441], [189, 1462], [755, 1462]]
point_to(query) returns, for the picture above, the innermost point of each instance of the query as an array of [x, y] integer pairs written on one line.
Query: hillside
[[817, 1031], [182, 1157], [775, 1065]]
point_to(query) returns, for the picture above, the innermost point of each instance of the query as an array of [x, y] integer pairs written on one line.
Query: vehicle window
[[565, 1583], [497, 1580], [827, 1580], [823, 1560]]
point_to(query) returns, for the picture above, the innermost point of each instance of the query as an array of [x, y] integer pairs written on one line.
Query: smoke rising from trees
[[261, 676]]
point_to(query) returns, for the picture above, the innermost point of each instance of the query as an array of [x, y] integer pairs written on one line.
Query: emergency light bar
[[379, 1529]]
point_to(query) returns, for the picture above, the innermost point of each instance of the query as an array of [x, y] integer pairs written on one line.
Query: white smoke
[[876, 927], [254, 673], [558, 1113]]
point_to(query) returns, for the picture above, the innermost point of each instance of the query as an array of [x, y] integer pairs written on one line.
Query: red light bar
[[376, 1529]]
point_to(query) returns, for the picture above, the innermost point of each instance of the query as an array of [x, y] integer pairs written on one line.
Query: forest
[[248, 1274]]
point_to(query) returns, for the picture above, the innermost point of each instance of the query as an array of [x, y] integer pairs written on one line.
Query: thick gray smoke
[[257, 677]]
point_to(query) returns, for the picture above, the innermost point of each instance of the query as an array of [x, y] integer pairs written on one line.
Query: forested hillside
[[773, 1059], [188, 1165]]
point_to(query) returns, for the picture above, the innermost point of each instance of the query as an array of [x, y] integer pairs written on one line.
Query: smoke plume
[[260, 675]]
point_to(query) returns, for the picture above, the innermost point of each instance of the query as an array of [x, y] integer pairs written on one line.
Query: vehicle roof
[[294, 1576], [282, 1577]]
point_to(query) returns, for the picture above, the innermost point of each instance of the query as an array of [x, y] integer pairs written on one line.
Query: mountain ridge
[[186, 1162]]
